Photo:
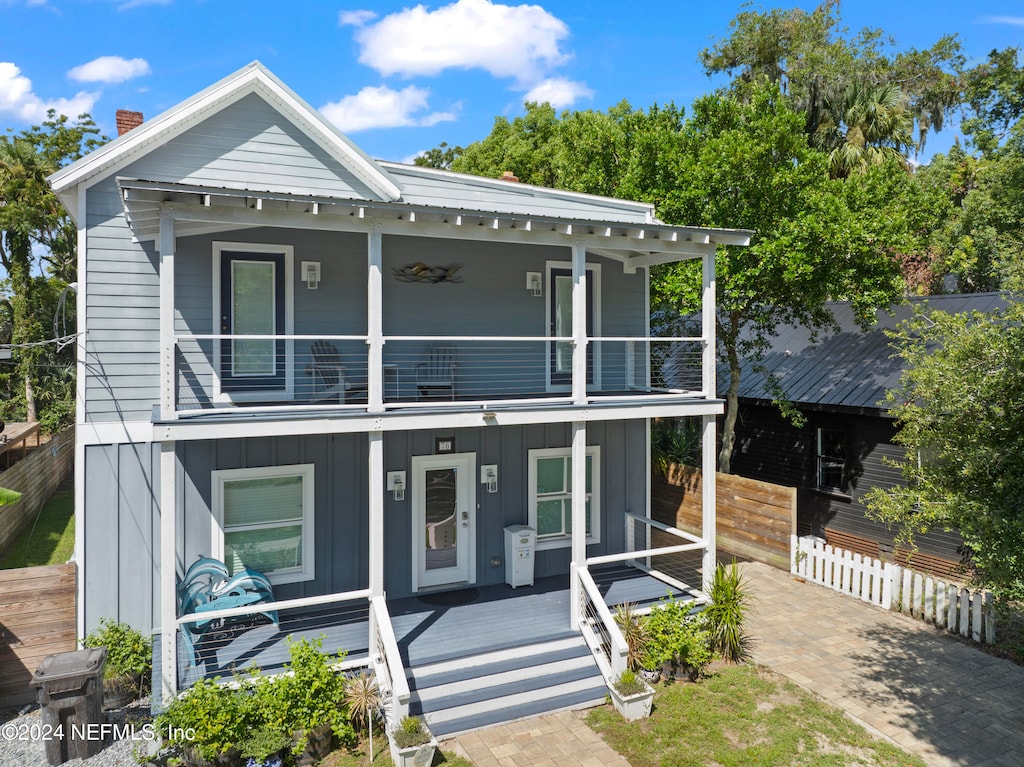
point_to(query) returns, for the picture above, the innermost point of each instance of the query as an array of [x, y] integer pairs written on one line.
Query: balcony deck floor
[[428, 627]]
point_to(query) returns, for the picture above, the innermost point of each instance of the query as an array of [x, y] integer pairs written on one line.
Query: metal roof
[[850, 368]]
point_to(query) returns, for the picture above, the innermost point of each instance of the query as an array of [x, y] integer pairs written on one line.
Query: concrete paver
[[917, 686], [949, 703]]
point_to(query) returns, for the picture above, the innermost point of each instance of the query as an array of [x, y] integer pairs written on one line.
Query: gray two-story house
[[417, 401]]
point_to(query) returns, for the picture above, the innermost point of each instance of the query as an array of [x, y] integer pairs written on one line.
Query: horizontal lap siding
[[250, 145], [770, 448]]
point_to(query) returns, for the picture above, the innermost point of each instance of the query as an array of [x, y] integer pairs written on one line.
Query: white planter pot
[[414, 756], [636, 706]]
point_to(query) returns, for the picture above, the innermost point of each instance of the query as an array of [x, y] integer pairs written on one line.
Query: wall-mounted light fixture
[[311, 274], [396, 484], [489, 477], [533, 283]]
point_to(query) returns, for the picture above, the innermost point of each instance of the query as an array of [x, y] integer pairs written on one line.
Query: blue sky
[[400, 78]]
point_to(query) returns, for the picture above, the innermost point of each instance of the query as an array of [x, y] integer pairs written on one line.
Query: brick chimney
[[509, 176], [126, 120]]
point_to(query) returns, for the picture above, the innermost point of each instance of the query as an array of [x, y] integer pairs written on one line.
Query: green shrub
[[210, 718], [628, 683], [676, 638], [129, 653], [263, 743], [411, 732], [727, 612]]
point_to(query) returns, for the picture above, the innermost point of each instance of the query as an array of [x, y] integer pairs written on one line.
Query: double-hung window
[[265, 521], [831, 459], [550, 490]]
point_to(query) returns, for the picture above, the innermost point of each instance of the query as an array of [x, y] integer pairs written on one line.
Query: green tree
[[960, 411], [37, 235], [749, 164]]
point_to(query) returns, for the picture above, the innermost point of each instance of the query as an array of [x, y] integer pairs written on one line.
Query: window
[[831, 455], [265, 521], [550, 511]]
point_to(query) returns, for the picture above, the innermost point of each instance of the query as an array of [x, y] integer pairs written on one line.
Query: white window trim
[[288, 251], [594, 275], [565, 541], [219, 477]]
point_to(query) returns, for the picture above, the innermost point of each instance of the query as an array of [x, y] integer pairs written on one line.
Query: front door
[[444, 516], [252, 302], [560, 325]]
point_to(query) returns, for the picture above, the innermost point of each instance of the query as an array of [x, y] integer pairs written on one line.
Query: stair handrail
[[600, 631], [387, 663]]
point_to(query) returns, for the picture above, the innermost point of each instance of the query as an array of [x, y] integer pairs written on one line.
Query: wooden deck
[[428, 628]]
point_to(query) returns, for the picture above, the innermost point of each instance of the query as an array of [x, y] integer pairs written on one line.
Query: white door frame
[[464, 571]]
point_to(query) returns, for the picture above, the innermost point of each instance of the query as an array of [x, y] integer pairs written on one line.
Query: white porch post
[[579, 516], [708, 324], [709, 452], [168, 571], [579, 322], [167, 373], [375, 322], [376, 526], [709, 501], [168, 467]]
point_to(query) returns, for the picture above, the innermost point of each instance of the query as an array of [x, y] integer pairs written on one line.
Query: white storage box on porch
[[520, 543]]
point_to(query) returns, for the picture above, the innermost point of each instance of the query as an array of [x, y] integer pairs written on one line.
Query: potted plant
[[129, 662], [412, 744], [632, 696], [264, 747], [206, 723], [676, 641]]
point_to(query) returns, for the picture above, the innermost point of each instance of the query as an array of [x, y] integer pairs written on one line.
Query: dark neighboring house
[[839, 383]]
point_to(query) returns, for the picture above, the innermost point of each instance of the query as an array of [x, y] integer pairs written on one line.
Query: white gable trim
[[254, 78]]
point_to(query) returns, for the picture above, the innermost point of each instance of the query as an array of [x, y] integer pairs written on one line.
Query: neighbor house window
[[831, 455], [265, 520], [550, 510]]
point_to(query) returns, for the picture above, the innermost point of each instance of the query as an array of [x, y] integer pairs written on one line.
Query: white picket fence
[[887, 585]]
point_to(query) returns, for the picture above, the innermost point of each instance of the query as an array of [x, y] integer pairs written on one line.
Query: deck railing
[[387, 664], [602, 634], [643, 558], [285, 372]]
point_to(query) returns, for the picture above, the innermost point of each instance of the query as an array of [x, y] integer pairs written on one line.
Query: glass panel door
[[444, 512], [252, 302], [560, 315]]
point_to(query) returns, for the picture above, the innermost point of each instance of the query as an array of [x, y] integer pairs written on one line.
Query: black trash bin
[[69, 688]]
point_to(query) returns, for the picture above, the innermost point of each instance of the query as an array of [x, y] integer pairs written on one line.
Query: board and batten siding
[[122, 518]]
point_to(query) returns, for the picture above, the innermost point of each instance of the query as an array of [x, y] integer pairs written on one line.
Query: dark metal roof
[[847, 369]]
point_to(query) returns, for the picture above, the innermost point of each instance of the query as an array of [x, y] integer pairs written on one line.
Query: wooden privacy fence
[[37, 618], [754, 519], [37, 478], [892, 587]]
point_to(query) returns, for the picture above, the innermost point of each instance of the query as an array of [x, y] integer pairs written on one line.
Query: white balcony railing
[[277, 372]]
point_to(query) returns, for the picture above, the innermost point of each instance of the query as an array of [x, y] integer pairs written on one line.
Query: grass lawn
[[382, 756], [743, 715], [53, 540]]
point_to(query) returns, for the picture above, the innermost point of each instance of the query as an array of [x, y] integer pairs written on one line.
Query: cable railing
[[281, 373], [601, 633], [387, 664]]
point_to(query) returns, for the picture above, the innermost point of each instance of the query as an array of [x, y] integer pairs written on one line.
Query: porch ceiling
[[202, 210]]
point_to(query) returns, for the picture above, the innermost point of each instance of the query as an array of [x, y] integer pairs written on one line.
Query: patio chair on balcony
[[435, 378], [329, 381]]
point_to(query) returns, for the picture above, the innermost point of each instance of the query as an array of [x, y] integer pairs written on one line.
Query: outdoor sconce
[[489, 477], [533, 283], [396, 484], [311, 274]]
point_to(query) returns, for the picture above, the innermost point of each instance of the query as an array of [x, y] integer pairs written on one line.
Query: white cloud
[[109, 69], [18, 99], [383, 107], [355, 18], [559, 92], [1013, 21], [521, 42]]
